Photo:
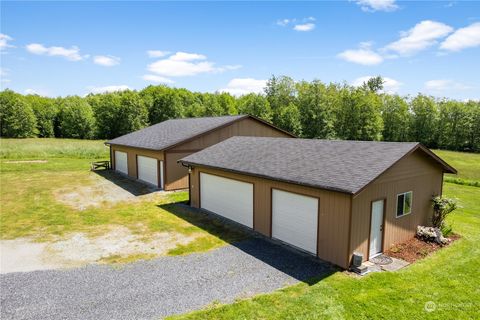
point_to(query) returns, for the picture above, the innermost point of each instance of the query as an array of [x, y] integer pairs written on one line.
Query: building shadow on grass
[[301, 266], [134, 187]]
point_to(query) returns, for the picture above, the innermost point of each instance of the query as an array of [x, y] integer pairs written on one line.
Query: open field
[[467, 165], [59, 202]]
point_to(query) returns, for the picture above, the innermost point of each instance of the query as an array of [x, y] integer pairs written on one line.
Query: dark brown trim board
[[159, 180], [136, 165]]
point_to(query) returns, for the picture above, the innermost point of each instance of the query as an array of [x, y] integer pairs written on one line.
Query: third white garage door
[[148, 169], [295, 219], [227, 197]]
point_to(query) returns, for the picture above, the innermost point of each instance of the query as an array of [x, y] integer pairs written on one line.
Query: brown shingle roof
[[171, 132], [345, 166]]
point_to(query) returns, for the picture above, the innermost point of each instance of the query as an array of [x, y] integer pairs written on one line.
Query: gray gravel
[[156, 288]]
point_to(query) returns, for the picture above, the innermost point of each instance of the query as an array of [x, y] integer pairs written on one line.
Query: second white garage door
[[147, 169], [227, 197], [121, 162], [295, 219]]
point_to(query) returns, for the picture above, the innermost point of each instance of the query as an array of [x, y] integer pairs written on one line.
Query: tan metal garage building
[[328, 198], [151, 154]]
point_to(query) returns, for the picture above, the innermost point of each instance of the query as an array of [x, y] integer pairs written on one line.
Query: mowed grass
[[29, 207], [448, 280], [467, 164]]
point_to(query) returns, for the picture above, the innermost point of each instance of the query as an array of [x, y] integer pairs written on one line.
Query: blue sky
[[63, 48]]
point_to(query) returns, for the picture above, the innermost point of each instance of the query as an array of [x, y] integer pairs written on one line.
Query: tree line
[[308, 109]]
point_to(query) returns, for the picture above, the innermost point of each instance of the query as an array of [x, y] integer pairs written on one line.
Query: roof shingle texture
[[345, 166], [168, 133]]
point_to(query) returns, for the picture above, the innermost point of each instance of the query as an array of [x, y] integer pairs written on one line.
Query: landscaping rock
[[431, 234]]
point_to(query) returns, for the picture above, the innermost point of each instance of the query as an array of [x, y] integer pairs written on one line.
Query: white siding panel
[[227, 197], [121, 162], [295, 219], [148, 169]]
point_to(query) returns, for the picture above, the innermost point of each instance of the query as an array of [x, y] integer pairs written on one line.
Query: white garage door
[[121, 162], [147, 169], [294, 219], [226, 197]]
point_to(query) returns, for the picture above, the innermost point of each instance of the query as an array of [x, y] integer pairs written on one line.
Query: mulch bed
[[415, 249]]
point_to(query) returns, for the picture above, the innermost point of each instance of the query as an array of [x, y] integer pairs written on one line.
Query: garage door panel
[[147, 169], [121, 163], [295, 219], [227, 197]]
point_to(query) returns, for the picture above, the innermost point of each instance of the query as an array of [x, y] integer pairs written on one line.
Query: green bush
[[442, 207]]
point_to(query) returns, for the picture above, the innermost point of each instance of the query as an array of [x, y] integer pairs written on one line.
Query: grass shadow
[[134, 187], [301, 266]]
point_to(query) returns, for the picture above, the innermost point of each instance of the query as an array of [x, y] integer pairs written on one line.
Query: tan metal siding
[[415, 173], [176, 174], [132, 154], [244, 127], [334, 212]]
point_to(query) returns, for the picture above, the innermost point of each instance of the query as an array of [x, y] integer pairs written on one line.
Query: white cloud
[[377, 5], [157, 53], [183, 64], [107, 61], [4, 41], [185, 56], [390, 85], [423, 35], [363, 55], [241, 86], [463, 38], [156, 79], [305, 24], [108, 89], [304, 27], [283, 22], [72, 54], [3, 75], [439, 85], [30, 91], [38, 92], [3, 72]]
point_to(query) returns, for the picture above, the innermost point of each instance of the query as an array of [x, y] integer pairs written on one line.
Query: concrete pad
[[397, 264]]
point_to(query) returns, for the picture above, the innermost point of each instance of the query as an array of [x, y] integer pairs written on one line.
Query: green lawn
[[450, 278], [467, 164], [29, 207]]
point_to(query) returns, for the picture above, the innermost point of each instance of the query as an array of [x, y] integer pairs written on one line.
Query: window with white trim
[[404, 203]]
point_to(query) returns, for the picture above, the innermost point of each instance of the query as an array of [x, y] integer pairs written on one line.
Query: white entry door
[[376, 228], [295, 219], [148, 169], [230, 198], [121, 163]]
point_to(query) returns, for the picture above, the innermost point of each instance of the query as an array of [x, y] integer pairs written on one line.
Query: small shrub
[[442, 207]]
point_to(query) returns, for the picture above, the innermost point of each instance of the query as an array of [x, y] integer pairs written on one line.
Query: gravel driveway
[[156, 288]]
